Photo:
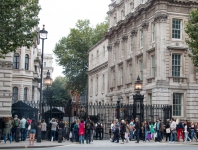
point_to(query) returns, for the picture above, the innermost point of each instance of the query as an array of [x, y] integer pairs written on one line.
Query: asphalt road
[[117, 146]]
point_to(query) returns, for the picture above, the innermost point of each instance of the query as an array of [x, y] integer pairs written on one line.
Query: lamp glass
[[43, 35], [48, 81], [138, 86]]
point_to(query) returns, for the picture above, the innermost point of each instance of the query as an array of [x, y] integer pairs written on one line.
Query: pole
[[41, 83], [118, 110], [69, 114]]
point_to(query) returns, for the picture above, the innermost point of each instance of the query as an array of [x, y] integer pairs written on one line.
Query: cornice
[[98, 68]]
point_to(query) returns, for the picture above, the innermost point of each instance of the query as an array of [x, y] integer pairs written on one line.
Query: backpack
[[88, 125], [98, 125], [76, 128], [16, 122], [26, 124]]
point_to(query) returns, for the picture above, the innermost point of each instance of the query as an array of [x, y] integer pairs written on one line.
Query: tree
[[72, 52], [59, 89], [192, 31], [18, 21]]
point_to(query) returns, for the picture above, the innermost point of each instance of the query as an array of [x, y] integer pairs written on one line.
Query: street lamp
[[118, 106], [43, 36], [48, 93], [138, 85]]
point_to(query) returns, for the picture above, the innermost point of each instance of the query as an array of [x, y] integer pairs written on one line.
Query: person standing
[[32, 132], [61, 125], [127, 133], [1, 127], [122, 130], [116, 132], [15, 125], [159, 130], [23, 128], [43, 129], [88, 130], [98, 129], [146, 130], [6, 129], [131, 129], [53, 129], [173, 130], [167, 127], [180, 129], [152, 130], [186, 132], [81, 131], [137, 130], [192, 130]]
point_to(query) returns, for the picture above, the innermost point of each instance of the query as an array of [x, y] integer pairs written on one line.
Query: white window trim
[[181, 63], [182, 104], [181, 29]]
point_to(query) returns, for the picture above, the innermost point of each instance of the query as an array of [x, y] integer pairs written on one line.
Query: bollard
[[60, 135], [38, 135], [17, 136]]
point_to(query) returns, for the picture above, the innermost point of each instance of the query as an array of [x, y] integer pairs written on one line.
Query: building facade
[[146, 38], [98, 72]]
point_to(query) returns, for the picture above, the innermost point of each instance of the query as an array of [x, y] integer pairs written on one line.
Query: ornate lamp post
[[138, 100], [118, 106], [48, 93], [43, 36]]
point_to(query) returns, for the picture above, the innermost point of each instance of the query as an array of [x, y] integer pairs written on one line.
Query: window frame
[[26, 62], [176, 66], [175, 110], [153, 32], [123, 47], [15, 93], [16, 61], [152, 66], [131, 45], [25, 94], [96, 85], [121, 75], [141, 69], [174, 29], [130, 73], [141, 38], [44, 64]]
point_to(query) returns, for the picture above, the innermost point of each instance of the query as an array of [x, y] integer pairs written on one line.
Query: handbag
[[168, 130], [174, 131], [29, 127], [149, 136]]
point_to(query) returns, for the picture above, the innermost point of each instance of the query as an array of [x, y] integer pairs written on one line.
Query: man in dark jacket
[[1, 127], [88, 127], [137, 130]]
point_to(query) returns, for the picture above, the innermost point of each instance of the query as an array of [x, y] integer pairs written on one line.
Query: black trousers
[[167, 136], [88, 136], [116, 135], [98, 132]]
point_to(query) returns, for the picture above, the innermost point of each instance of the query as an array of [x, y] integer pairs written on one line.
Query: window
[[114, 77], [121, 76], [97, 86], [176, 65], [153, 32], [130, 72], [141, 70], [25, 94], [26, 62], [103, 82], [152, 66], [132, 5], [16, 61], [104, 51], [32, 92], [141, 38], [91, 90], [176, 29], [122, 14], [97, 55], [15, 94], [92, 61], [44, 64], [150, 98], [142, 1], [123, 48], [177, 104], [131, 48]]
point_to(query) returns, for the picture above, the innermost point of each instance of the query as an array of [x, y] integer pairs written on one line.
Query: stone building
[[146, 38], [98, 72]]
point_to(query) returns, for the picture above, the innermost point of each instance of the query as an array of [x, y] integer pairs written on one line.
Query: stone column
[[35, 94], [31, 59], [145, 26], [110, 52], [160, 46], [22, 58], [134, 60], [21, 91], [125, 39]]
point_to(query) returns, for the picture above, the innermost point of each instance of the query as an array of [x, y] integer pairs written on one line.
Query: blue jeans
[[146, 135], [9, 137], [137, 133], [43, 135], [53, 133], [187, 137], [193, 134], [131, 135], [173, 135], [81, 138], [23, 137], [159, 138], [14, 129], [116, 135]]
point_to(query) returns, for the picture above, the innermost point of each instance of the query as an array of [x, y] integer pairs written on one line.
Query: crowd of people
[[84, 130], [157, 131]]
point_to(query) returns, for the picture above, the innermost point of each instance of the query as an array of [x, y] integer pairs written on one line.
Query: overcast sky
[[61, 15]]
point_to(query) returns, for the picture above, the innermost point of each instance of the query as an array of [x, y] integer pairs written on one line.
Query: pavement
[[96, 143]]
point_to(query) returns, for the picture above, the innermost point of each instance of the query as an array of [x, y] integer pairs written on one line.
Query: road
[[106, 145]]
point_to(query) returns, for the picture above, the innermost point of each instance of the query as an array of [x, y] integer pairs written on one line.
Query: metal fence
[[106, 113]]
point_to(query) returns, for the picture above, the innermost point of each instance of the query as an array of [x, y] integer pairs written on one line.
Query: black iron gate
[[106, 113]]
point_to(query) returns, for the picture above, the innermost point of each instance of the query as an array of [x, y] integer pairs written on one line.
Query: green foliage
[[59, 89], [72, 52], [192, 31], [18, 20]]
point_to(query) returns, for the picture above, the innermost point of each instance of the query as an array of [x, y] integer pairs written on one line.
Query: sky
[[59, 16]]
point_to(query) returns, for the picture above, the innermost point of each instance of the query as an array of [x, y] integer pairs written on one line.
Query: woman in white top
[[43, 129], [186, 132]]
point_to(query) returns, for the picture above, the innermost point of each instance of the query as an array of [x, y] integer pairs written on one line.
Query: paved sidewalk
[[96, 143], [25, 144]]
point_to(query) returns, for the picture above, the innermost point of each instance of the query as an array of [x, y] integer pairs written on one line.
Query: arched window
[[16, 61], [15, 94], [26, 62], [25, 94]]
